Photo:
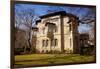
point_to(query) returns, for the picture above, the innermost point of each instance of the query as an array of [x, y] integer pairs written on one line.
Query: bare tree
[[24, 19]]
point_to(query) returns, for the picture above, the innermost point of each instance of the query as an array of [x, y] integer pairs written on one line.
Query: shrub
[[68, 51], [33, 50], [18, 51], [56, 52]]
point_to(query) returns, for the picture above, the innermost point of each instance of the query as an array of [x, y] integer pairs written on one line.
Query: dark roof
[[38, 21], [63, 13]]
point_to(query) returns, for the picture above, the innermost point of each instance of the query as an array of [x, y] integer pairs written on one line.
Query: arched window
[[52, 42], [70, 43], [43, 43], [46, 43], [56, 42], [47, 51], [42, 51]]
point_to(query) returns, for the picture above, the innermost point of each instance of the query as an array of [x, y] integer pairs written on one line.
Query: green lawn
[[47, 59]]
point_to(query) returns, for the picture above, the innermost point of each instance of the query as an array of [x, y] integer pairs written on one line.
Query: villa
[[56, 32]]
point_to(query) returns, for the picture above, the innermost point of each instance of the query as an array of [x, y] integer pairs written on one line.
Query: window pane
[[43, 43], [56, 42], [46, 42], [51, 42], [70, 42], [69, 27]]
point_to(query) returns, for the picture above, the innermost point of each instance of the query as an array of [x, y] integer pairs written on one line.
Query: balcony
[[50, 27]]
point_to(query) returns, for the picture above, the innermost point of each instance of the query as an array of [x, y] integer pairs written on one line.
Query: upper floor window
[[56, 29], [50, 30], [43, 30], [70, 28]]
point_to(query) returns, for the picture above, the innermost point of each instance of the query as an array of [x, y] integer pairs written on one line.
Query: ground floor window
[[51, 44], [46, 43], [70, 42], [54, 42]]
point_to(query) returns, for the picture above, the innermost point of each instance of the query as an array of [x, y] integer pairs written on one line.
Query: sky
[[43, 9]]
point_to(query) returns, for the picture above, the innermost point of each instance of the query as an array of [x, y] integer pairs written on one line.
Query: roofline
[[37, 21], [62, 13]]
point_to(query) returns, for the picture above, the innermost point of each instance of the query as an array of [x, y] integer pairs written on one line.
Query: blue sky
[[42, 10]]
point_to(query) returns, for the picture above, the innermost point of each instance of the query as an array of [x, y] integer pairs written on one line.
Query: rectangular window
[[70, 42], [70, 27], [43, 43], [56, 42], [46, 43], [52, 42]]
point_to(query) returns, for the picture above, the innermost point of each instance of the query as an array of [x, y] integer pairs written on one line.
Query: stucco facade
[[57, 32]]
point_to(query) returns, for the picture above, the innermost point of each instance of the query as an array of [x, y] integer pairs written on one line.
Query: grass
[[47, 59]]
